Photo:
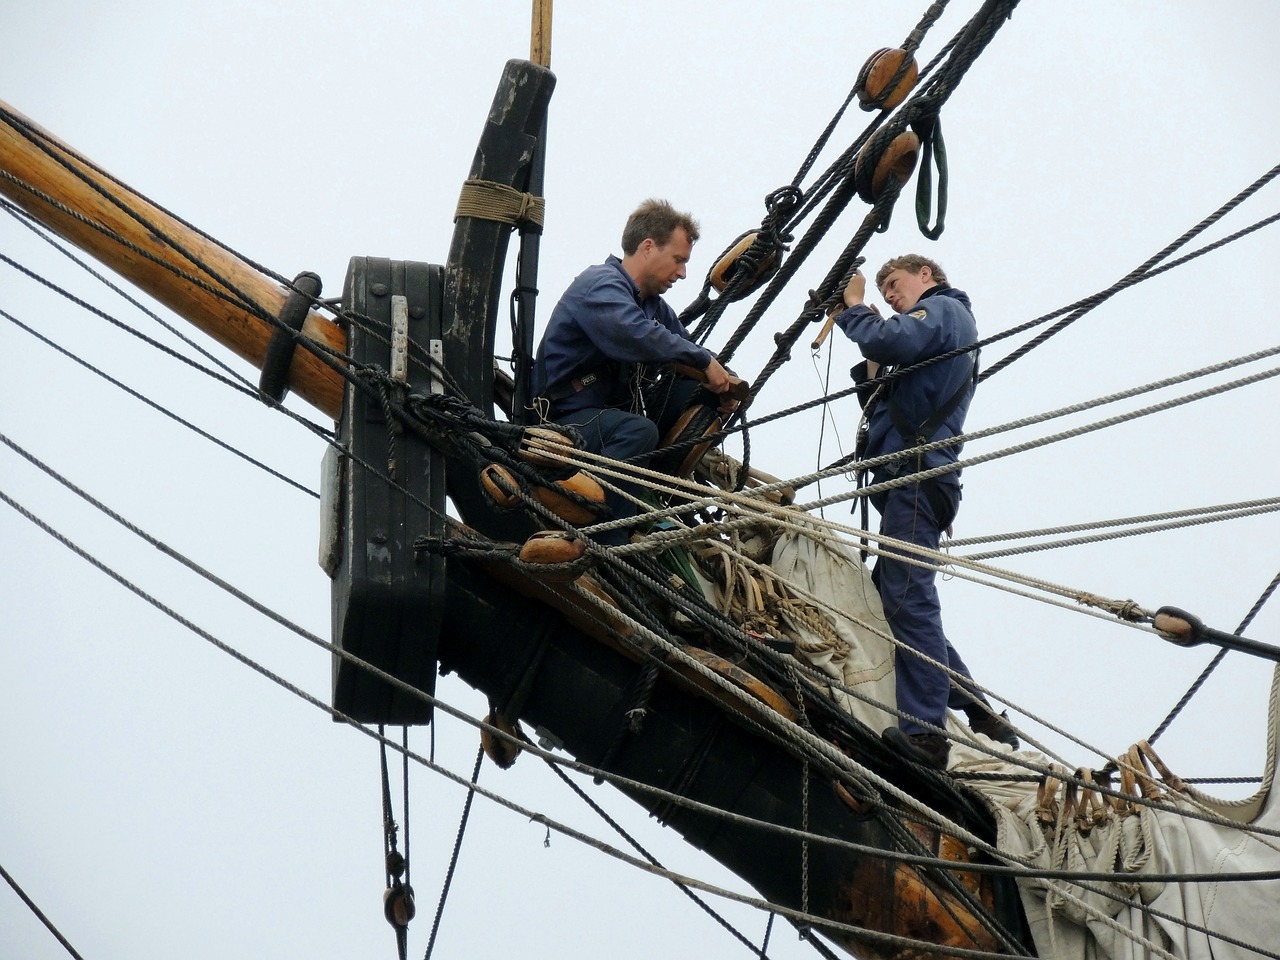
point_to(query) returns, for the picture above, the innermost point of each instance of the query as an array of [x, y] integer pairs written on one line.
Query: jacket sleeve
[[922, 332], [618, 328]]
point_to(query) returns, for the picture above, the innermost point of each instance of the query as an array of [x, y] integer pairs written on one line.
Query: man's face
[[902, 289], [662, 266]]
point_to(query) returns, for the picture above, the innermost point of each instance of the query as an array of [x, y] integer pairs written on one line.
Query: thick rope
[[457, 848], [1140, 272], [1088, 303], [40, 915], [639, 848], [1260, 507], [165, 411], [1115, 522]]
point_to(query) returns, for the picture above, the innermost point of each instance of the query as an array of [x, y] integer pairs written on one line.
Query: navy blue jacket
[[941, 321], [601, 325]]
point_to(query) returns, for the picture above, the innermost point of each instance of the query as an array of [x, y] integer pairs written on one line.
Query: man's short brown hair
[[658, 220], [912, 263]]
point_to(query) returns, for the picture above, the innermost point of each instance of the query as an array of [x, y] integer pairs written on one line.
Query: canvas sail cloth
[[832, 614], [1106, 920], [1068, 921]]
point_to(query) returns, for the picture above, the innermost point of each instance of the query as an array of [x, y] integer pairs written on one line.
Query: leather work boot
[[928, 749], [983, 720]]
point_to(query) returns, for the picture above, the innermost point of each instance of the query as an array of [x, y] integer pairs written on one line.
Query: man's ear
[[926, 273]]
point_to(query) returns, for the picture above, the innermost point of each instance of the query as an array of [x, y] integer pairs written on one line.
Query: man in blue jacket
[[930, 318], [608, 325]]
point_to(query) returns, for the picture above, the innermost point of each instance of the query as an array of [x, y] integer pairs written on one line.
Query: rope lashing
[[487, 200]]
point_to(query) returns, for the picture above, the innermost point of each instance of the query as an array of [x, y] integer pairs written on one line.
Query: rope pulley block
[[885, 163], [500, 750], [395, 864], [583, 486], [876, 75], [577, 500], [1178, 626], [536, 443], [698, 420], [501, 486], [548, 547], [398, 905], [762, 267], [862, 808]]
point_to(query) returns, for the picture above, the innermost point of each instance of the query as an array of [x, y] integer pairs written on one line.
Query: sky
[[156, 795]]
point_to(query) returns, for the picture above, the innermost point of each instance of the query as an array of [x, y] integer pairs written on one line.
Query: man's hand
[[718, 380], [729, 387], [855, 290]]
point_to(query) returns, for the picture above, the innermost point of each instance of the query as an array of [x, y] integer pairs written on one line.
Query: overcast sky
[[157, 797]]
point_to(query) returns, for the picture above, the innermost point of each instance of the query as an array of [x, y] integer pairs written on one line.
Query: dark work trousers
[[917, 514], [621, 436]]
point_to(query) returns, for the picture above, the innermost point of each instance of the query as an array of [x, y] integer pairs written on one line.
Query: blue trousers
[[918, 515], [619, 435]]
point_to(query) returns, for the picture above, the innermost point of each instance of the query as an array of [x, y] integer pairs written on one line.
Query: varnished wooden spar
[[41, 166]]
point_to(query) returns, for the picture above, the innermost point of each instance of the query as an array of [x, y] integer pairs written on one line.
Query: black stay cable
[[224, 288], [782, 216], [39, 914], [159, 408], [59, 152], [639, 848], [457, 847], [150, 341], [23, 217], [1142, 272]]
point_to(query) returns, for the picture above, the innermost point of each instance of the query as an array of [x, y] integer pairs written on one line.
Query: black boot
[[984, 720], [927, 749]]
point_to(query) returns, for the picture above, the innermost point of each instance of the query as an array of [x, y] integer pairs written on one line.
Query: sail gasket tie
[[274, 382]]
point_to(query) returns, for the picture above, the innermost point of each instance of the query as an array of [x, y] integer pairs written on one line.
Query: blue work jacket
[[603, 327], [941, 321]]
